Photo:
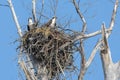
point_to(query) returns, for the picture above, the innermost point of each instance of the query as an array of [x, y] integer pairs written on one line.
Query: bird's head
[[53, 20], [30, 21]]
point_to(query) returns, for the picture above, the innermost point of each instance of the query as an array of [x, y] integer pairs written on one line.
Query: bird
[[48, 26], [31, 25], [51, 23]]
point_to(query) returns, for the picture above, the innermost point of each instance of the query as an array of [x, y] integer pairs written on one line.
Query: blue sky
[[98, 11]]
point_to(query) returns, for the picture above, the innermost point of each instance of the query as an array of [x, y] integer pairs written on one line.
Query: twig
[[67, 23], [41, 10], [4, 5], [60, 67], [34, 10], [15, 18], [53, 6], [80, 15]]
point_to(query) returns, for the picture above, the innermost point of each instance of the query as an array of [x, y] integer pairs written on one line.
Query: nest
[[44, 43]]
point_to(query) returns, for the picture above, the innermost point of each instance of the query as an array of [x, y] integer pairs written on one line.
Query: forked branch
[[108, 31]]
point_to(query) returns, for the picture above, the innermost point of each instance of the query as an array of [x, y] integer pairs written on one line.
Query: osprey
[[51, 23], [31, 25]]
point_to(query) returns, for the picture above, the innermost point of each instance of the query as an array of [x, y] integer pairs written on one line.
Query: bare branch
[[83, 61], [83, 37], [22, 65], [30, 67], [104, 37], [15, 18], [113, 15], [26, 66], [95, 48], [105, 31], [34, 10], [95, 33], [80, 15], [105, 54], [89, 61]]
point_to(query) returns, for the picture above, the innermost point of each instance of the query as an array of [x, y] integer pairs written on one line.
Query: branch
[[105, 51], [83, 61], [26, 66], [80, 15], [22, 65], [96, 33], [113, 15], [106, 31], [83, 37], [15, 18], [21, 62], [96, 48], [34, 10], [104, 37], [99, 32], [106, 55], [94, 51]]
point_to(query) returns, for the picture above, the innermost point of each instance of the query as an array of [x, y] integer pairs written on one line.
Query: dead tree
[[111, 70]]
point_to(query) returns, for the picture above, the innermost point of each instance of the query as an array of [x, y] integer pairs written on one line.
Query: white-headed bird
[[51, 23], [31, 25]]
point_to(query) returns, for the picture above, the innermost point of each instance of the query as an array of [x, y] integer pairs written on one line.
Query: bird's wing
[[28, 28]]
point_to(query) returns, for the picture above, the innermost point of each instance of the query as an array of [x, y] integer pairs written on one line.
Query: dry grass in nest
[[43, 44]]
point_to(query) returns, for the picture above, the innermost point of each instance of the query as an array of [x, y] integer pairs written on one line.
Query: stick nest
[[44, 44]]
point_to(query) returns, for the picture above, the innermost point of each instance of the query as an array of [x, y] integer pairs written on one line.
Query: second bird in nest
[[31, 25]]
